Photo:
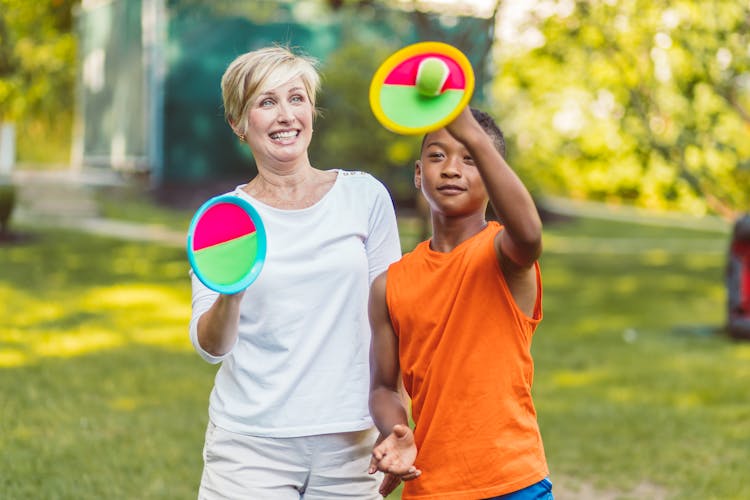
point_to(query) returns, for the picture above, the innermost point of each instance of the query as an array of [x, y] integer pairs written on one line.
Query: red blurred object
[[738, 280]]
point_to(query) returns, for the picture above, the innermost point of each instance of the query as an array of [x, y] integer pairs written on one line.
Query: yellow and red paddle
[[421, 88], [226, 244]]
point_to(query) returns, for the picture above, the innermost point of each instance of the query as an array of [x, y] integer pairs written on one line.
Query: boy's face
[[448, 178]]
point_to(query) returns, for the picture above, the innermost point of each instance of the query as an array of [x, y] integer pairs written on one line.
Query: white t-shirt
[[300, 366]]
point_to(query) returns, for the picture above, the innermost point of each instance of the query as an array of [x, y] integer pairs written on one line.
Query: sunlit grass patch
[[102, 394], [10, 357], [76, 343], [68, 294]]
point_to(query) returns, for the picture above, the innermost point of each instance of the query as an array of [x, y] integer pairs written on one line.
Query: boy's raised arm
[[521, 241]]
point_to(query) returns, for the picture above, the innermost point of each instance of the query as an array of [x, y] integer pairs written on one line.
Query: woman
[[288, 415]]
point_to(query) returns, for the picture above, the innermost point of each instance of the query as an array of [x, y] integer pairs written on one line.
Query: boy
[[455, 317]]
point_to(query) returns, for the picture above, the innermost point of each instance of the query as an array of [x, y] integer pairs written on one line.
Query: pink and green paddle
[[226, 244], [421, 88]]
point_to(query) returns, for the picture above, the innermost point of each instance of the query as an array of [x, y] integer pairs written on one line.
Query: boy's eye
[[436, 156], [469, 160]]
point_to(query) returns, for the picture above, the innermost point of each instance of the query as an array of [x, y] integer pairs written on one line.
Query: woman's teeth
[[284, 135]]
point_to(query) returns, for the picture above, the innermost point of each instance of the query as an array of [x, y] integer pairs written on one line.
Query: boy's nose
[[451, 169]]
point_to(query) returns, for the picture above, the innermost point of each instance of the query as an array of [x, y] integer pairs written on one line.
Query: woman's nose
[[285, 113]]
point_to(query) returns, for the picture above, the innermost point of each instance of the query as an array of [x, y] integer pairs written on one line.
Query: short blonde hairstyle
[[259, 71]]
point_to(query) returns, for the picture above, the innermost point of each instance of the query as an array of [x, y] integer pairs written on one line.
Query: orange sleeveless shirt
[[464, 350]]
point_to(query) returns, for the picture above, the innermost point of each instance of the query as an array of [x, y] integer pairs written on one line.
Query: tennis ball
[[431, 76]]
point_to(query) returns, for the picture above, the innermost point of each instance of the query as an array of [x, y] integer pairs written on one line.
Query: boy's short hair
[[258, 71], [489, 125], [492, 128]]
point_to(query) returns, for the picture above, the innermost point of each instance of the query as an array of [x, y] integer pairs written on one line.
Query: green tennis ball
[[431, 76]]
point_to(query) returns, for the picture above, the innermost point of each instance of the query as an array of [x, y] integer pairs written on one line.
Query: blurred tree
[[37, 58], [37, 76], [347, 132], [640, 101]]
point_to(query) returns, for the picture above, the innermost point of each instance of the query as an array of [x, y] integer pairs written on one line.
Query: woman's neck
[[293, 189], [285, 178]]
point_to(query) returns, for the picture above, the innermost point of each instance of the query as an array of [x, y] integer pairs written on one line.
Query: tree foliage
[[37, 58], [644, 101]]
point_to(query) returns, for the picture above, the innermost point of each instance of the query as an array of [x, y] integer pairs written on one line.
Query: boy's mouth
[[451, 189]]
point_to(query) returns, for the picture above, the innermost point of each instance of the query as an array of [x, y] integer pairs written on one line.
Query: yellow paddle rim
[[404, 54]]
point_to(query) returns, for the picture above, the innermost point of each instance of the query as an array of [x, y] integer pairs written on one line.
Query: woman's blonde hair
[[260, 70]]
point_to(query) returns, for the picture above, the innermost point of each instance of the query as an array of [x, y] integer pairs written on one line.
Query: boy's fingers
[[382, 463], [389, 484], [412, 474]]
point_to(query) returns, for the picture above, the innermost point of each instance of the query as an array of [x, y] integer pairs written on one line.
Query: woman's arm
[[218, 327]]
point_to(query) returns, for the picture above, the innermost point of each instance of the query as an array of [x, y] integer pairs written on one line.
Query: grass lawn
[[634, 390], [103, 396]]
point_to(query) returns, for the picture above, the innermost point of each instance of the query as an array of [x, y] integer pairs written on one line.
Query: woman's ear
[[236, 130]]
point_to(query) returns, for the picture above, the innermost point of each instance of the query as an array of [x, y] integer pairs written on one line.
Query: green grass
[[132, 204], [632, 382], [103, 397]]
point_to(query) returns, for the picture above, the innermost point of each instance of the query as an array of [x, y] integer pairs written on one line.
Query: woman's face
[[279, 124]]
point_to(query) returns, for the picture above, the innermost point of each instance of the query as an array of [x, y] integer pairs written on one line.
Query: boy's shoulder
[[412, 257], [476, 250]]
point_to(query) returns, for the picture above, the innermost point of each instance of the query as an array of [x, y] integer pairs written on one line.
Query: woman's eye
[[297, 98], [266, 102]]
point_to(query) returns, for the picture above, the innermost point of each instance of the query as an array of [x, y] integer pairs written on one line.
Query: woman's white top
[[300, 366]]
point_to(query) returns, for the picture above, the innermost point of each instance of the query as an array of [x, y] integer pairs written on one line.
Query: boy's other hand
[[395, 456]]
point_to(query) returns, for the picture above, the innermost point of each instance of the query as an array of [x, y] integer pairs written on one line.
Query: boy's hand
[[464, 126], [395, 456]]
